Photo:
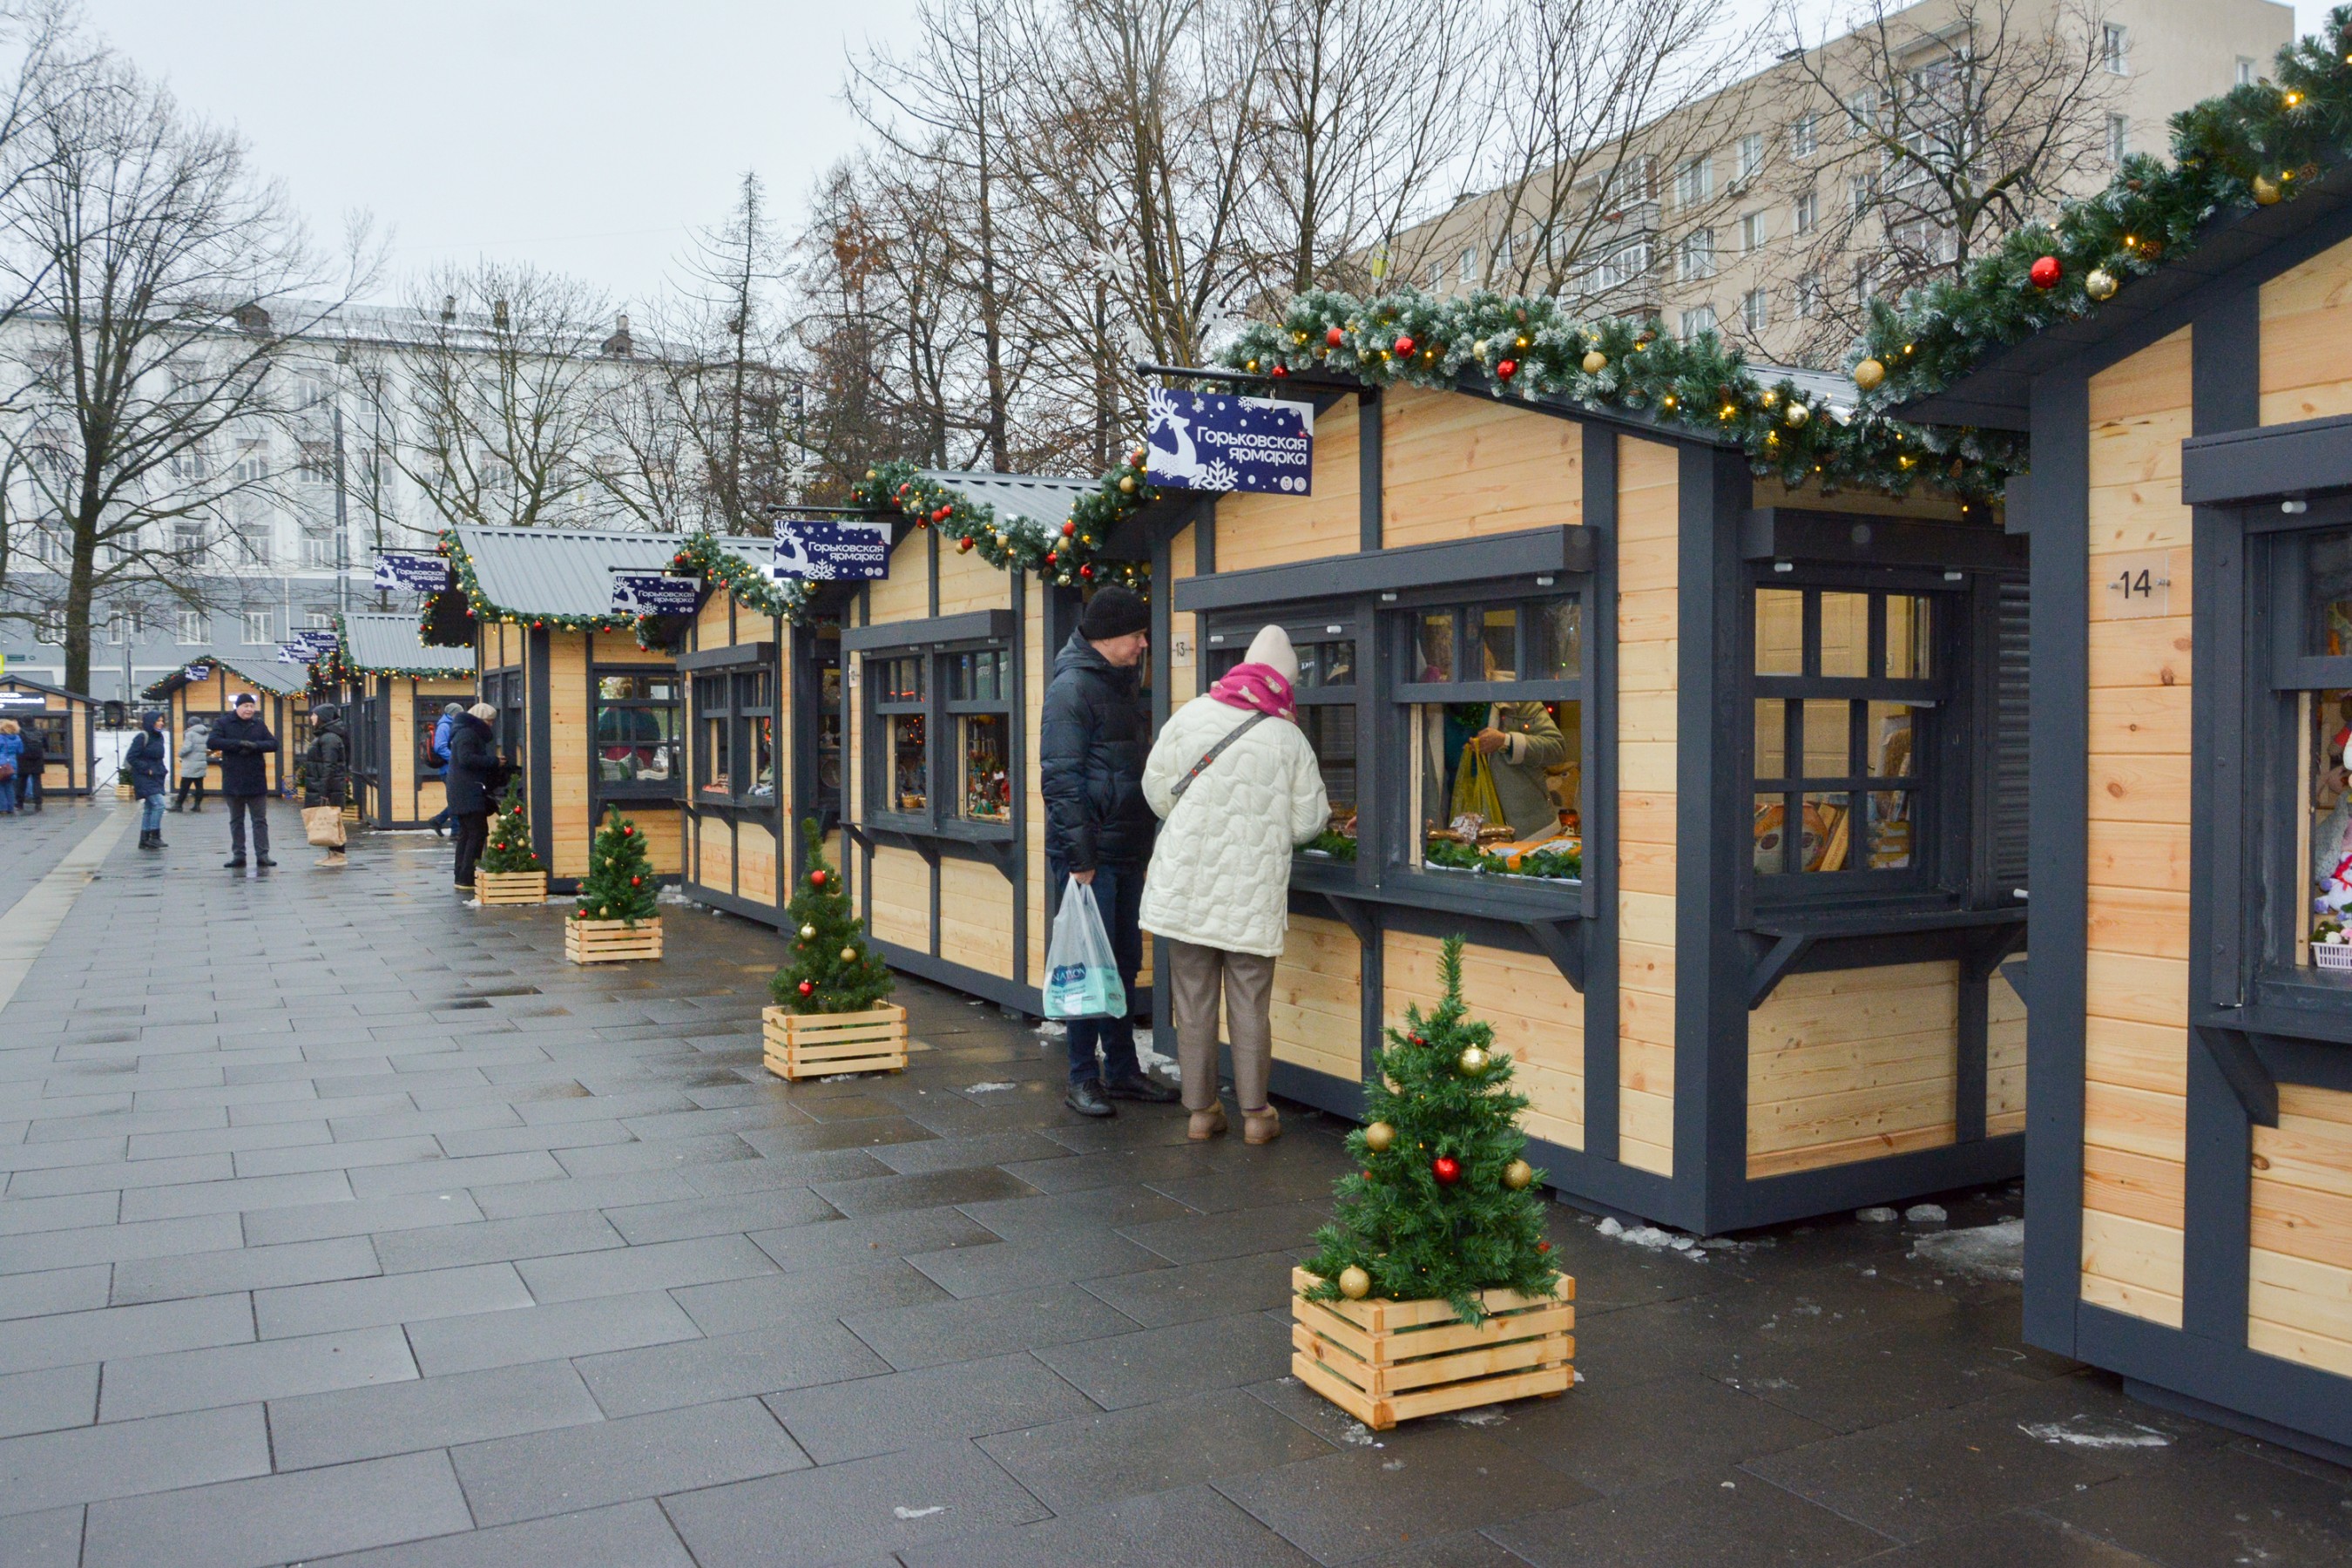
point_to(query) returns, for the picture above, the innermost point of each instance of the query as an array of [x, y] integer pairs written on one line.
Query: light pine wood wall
[[1455, 467], [1649, 646]]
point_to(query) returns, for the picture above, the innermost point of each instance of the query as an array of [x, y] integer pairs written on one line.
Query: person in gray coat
[[193, 761]]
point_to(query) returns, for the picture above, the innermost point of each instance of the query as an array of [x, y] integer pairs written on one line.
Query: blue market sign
[[638, 592], [831, 550], [1211, 441], [413, 570], [197, 672]]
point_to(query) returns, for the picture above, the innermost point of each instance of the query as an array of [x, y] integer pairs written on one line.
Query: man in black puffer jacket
[[245, 745], [326, 765], [1090, 749]]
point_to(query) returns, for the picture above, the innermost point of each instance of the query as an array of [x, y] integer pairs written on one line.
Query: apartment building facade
[[1769, 212]]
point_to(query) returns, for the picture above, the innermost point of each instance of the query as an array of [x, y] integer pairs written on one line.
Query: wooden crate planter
[[609, 941], [124, 792], [818, 1045], [494, 887], [1385, 1362]]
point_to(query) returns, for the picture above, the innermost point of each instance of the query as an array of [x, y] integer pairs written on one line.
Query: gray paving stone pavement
[[342, 1222]]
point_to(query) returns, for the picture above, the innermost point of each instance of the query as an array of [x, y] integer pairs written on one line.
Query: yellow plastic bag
[[1474, 786]]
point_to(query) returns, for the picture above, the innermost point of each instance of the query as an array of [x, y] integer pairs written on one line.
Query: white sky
[[589, 136]]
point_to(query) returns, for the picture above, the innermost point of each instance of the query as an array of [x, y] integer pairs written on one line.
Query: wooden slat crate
[[493, 887], [1385, 1362], [611, 942], [818, 1045]]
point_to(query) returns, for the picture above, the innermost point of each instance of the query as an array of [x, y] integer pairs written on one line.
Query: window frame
[[634, 789], [1229, 633], [942, 815]]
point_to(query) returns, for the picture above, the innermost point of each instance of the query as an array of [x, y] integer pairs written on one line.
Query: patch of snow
[[1870, 1274], [1357, 1434], [1609, 1227], [2090, 1432], [1393, 1465], [473, 903], [1926, 1213], [839, 1078], [919, 1513], [987, 1088], [1054, 1031], [1147, 1057], [1876, 1215], [1480, 1419], [1980, 1252]]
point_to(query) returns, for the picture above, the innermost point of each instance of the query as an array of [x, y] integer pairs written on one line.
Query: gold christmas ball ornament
[[1479, 348], [1869, 374], [1380, 1137], [1595, 362], [1354, 1283], [848, 955], [1127, 484], [1517, 1175], [2266, 191], [808, 933], [1474, 1060], [1796, 413], [2101, 284]]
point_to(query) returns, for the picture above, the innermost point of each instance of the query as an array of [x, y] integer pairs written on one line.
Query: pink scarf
[[1259, 688]]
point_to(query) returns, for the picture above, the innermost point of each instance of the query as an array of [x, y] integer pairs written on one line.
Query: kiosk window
[[735, 736], [2324, 726], [1846, 690], [1326, 694], [636, 734], [965, 697], [1494, 717]]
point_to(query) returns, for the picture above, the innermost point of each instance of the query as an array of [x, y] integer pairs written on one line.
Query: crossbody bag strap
[[1213, 752]]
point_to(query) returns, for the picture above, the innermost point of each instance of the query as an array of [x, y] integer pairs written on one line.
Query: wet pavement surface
[[346, 1224]]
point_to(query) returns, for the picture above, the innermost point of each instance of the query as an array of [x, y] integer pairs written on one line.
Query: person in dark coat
[[439, 754], [471, 783], [29, 766], [1090, 750], [326, 765], [149, 758], [244, 744]]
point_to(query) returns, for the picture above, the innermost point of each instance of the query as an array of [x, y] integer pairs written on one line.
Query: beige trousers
[[1195, 975]]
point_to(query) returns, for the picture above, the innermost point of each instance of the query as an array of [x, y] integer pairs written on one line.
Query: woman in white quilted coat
[[1218, 893]]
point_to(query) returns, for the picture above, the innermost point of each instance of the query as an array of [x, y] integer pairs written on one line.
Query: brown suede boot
[[1263, 1125], [1207, 1125]]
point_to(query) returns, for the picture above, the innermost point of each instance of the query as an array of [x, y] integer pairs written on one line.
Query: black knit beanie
[[1114, 611]]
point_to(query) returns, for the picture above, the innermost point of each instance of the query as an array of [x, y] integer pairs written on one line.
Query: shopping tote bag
[[1081, 972], [323, 825]]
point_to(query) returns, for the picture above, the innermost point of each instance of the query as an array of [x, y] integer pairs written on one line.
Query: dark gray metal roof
[[259, 667], [1043, 498], [390, 642], [569, 571]]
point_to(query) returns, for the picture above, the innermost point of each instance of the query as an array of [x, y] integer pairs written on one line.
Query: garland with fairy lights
[[336, 666], [1068, 553], [704, 554], [2253, 146], [1528, 348]]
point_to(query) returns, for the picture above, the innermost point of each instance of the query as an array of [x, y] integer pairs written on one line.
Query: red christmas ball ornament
[[627, 832], [1050, 555], [1279, 372], [816, 878], [1069, 527], [1543, 1247], [1447, 1169], [636, 881], [2045, 272], [963, 545], [1085, 571], [1404, 344], [1335, 337], [1507, 368], [808, 988]]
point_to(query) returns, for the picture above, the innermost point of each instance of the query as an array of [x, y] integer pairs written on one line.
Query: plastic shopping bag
[[1474, 787], [1081, 972]]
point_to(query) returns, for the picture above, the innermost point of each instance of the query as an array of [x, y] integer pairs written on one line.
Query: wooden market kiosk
[[68, 722], [207, 688], [592, 717], [2189, 1154], [394, 687]]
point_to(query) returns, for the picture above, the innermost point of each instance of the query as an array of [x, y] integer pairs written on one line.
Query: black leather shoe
[[236, 865], [1087, 1098], [1139, 1085], [264, 860]]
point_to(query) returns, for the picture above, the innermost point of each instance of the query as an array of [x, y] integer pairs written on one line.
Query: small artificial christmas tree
[[620, 883], [1442, 1206], [509, 851], [833, 970]]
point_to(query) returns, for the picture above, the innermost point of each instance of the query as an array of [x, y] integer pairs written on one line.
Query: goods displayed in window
[[910, 759], [637, 730], [2328, 726], [1498, 778], [987, 772]]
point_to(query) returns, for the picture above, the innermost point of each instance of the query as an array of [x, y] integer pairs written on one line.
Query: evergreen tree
[[833, 970], [620, 883], [1443, 1204], [509, 850]]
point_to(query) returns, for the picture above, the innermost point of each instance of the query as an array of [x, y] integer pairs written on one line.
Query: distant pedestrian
[[439, 757], [12, 758], [149, 758], [1238, 788], [195, 762], [244, 744], [326, 767], [1097, 828], [30, 767], [472, 781]]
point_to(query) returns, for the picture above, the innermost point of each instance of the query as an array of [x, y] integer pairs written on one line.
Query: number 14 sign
[[2139, 586]]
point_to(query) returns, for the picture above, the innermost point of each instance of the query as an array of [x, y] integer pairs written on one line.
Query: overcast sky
[[590, 136]]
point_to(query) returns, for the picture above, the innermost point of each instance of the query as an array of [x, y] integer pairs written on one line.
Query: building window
[[253, 540], [2245, 71], [1470, 264], [314, 465], [1847, 685], [636, 723], [317, 551], [1804, 136], [1326, 693], [1809, 297], [2119, 137], [2115, 49], [942, 734], [1695, 181], [256, 628], [735, 737], [188, 539], [1494, 713], [901, 722], [1437, 277], [1696, 319], [1755, 310], [192, 626], [1859, 189], [1751, 155], [49, 626], [1751, 232], [1804, 212], [979, 704], [1861, 115], [1695, 258]]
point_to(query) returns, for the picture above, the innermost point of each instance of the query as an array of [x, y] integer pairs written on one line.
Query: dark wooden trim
[[1801, 1194], [2300, 1399], [1599, 808], [972, 981], [1536, 552], [734, 656], [537, 697], [1794, 533], [973, 625], [1369, 469]]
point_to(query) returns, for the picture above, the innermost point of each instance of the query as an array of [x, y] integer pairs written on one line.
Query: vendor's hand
[[1489, 741], [1083, 879]]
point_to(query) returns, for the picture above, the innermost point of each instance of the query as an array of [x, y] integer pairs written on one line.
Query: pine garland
[[1528, 348], [2254, 145], [1069, 554], [761, 595]]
